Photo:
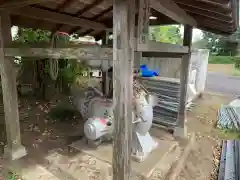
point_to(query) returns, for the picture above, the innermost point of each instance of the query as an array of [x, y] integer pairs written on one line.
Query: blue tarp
[[145, 72]]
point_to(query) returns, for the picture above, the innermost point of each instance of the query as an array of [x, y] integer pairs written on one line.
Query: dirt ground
[[200, 164], [41, 134], [222, 68]]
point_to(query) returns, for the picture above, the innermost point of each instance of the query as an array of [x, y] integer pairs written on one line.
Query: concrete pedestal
[[15, 153]]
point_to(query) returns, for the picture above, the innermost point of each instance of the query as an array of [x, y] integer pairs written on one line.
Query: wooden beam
[[95, 18], [172, 10], [216, 3], [162, 54], [46, 15], [209, 14], [235, 7], [61, 7], [203, 5], [64, 5], [20, 3], [57, 53], [123, 60], [14, 149], [80, 12], [184, 74], [159, 47], [143, 22]]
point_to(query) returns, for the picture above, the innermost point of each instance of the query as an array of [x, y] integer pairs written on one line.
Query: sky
[[14, 31], [197, 34]]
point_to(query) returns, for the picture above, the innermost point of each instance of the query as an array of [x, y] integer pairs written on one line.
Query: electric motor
[[94, 128]]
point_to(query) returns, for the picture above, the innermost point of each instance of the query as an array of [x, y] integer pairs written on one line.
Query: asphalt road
[[223, 84]]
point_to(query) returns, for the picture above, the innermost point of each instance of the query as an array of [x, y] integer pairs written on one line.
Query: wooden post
[[123, 60], [143, 22], [180, 130], [14, 148], [105, 66]]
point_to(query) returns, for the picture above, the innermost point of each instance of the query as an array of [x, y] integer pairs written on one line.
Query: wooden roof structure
[[92, 17]]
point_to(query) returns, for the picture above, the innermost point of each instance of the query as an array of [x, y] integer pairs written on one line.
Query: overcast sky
[[197, 34]]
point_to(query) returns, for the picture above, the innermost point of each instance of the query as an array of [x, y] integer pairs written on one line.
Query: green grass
[[236, 72], [221, 60], [228, 134]]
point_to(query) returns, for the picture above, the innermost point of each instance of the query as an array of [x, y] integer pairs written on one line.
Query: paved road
[[223, 84]]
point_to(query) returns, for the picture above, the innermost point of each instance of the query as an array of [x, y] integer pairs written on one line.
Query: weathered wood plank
[[162, 55], [14, 148], [58, 53], [143, 22], [20, 3], [184, 74], [49, 45], [162, 48], [172, 10], [42, 14], [86, 51], [123, 60]]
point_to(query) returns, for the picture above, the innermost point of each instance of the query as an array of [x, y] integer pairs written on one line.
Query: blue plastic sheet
[[145, 72]]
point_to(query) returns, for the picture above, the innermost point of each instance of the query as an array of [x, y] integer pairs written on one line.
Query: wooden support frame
[[159, 47], [143, 23], [13, 4], [42, 14], [152, 48], [80, 12], [14, 148], [58, 53], [172, 10], [95, 18], [180, 130], [123, 56]]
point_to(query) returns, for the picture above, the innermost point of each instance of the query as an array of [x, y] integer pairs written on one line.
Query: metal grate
[[168, 92]]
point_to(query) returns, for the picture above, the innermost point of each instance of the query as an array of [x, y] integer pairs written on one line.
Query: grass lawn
[[221, 60], [227, 134], [223, 64], [224, 68], [236, 72]]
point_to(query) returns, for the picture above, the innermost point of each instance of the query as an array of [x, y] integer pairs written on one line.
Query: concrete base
[[143, 169], [180, 132], [15, 153]]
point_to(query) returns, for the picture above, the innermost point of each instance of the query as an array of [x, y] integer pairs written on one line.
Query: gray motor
[[98, 112], [95, 128]]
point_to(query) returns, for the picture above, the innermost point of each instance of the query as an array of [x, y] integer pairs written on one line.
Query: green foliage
[[237, 62], [236, 72], [167, 34], [29, 35], [221, 60], [69, 70], [221, 45], [72, 71], [201, 44], [228, 134]]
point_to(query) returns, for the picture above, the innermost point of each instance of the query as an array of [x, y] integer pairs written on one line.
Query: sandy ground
[[222, 68], [200, 163]]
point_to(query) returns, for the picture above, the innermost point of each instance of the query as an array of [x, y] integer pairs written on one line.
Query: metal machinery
[[97, 110]]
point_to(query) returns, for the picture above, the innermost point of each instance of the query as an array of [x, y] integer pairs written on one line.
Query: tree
[[167, 34], [36, 71], [219, 44]]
